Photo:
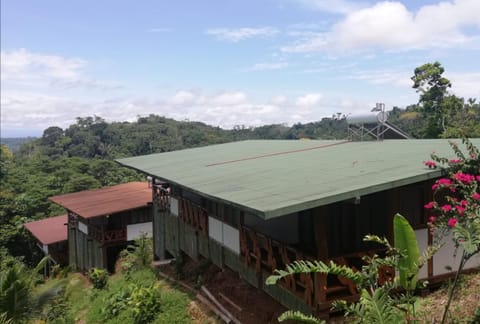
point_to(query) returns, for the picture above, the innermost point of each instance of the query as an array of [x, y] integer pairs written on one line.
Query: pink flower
[[455, 161], [463, 177], [431, 164], [431, 219], [435, 187], [444, 182], [460, 209], [446, 208], [430, 205], [452, 222], [478, 177], [476, 196], [463, 202]]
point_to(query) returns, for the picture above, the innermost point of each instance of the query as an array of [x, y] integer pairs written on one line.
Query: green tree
[[435, 101]]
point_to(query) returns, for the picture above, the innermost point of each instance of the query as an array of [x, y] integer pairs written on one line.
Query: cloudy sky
[[225, 62]]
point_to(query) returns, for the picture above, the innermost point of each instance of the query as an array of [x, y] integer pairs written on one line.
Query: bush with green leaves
[[145, 303], [98, 277], [20, 300], [137, 256], [455, 209]]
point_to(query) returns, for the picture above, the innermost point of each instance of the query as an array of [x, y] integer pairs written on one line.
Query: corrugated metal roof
[[49, 230], [106, 201], [271, 178]]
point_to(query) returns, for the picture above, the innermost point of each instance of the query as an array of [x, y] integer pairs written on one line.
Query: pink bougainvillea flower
[[463, 177], [455, 161], [432, 219], [463, 202], [444, 182], [446, 208], [430, 205], [431, 164], [478, 177], [460, 210], [452, 222], [476, 196]]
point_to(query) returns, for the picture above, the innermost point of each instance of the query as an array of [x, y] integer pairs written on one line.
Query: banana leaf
[[406, 242]]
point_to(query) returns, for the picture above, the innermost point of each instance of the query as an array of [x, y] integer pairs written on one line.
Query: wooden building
[[102, 221], [255, 206], [51, 236]]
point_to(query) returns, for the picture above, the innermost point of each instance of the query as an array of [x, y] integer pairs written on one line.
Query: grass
[[84, 304], [465, 306]]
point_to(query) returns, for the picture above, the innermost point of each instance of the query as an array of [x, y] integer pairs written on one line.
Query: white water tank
[[368, 118]]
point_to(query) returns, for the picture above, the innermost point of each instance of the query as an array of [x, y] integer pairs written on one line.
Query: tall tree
[[435, 102]]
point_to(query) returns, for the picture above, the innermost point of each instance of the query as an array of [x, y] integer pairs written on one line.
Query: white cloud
[[22, 109], [22, 67], [229, 98], [334, 6], [279, 100], [269, 66], [391, 26], [182, 97], [309, 100], [394, 77], [239, 34], [465, 85], [27, 110]]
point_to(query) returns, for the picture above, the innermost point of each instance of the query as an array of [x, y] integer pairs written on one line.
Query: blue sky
[[226, 62]]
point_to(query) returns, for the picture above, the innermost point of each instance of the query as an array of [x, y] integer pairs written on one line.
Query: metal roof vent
[[373, 126]]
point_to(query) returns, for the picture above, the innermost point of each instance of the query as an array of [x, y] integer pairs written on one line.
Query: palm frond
[[298, 267], [299, 317]]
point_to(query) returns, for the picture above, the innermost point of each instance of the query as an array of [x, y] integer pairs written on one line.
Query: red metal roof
[[106, 201], [49, 230]]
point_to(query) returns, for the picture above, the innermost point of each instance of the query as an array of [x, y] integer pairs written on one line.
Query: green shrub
[[98, 277], [145, 303]]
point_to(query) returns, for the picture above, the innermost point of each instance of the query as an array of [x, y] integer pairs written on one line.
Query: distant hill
[[93, 137], [14, 143]]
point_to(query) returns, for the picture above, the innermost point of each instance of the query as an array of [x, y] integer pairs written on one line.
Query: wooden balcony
[[110, 236], [161, 198], [194, 215], [265, 254]]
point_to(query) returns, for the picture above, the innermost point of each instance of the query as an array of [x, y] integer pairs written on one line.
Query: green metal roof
[[271, 178]]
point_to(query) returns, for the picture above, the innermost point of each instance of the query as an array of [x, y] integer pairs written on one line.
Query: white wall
[[445, 257], [231, 238], [224, 234], [173, 206], [135, 231], [422, 239], [82, 227]]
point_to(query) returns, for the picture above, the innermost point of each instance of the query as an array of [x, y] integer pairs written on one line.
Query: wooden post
[[320, 227]]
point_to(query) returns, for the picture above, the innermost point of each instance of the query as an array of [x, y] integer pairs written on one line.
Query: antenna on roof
[[373, 125]]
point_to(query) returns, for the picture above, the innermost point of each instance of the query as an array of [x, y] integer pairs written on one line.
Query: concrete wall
[[447, 259]]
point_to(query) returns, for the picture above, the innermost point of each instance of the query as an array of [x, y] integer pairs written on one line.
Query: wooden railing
[[109, 236], [265, 254], [194, 215], [161, 198]]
